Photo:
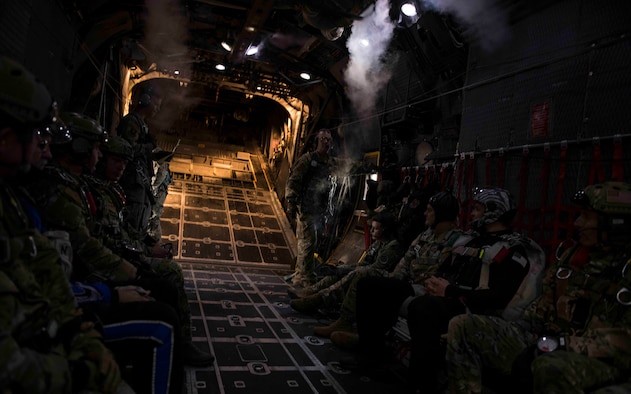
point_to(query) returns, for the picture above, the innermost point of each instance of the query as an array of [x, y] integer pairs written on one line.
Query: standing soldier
[[577, 336], [307, 195], [136, 180]]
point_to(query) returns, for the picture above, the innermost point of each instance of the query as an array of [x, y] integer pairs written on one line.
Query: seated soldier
[[46, 346], [116, 235], [379, 259], [418, 263], [577, 336], [481, 276], [141, 332], [66, 204]]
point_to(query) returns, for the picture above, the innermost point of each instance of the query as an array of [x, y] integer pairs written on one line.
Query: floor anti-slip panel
[[235, 248], [261, 345], [223, 222]]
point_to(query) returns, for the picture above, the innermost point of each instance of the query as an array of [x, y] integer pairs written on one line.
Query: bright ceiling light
[[365, 42], [252, 50], [226, 46], [220, 67], [176, 72], [305, 76], [259, 88], [408, 9]]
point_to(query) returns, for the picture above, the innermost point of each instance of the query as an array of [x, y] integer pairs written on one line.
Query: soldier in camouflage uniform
[[577, 336], [420, 260], [121, 239], [160, 186], [379, 259], [136, 180], [482, 275], [44, 345], [307, 194]]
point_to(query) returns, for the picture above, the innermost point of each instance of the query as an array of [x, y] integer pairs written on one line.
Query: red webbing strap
[[559, 193], [544, 179], [617, 167], [443, 176], [460, 164], [487, 179], [523, 184], [501, 163], [404, 173], [425, 176], [470, 179], [596, 173]]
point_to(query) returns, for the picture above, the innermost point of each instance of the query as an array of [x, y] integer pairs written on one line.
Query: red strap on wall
[[460, 164], [443, 177], [617, 167], [501, 164], [470, 179], [596, 172], [544, 178], [488, 169], [559, 193], [523, 184], [425, 176]]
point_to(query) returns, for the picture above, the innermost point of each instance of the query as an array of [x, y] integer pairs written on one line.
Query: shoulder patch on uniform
[[519, 259]]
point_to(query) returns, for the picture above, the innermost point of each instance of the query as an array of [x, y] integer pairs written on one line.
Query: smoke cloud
[[367, 72], [165, 40], [483, 18]]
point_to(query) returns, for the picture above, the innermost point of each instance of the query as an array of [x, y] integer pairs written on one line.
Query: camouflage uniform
[[161, 182], [136, 181], [35, 297], [380, 258], [583, 302], [420, 260], [65, 202], [109, 199], [307, 190]]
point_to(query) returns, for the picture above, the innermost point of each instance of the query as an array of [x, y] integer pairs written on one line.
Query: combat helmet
[[445, 206], [498, 206], [84, 131], [24, 99], [118, 146], [613, 201]]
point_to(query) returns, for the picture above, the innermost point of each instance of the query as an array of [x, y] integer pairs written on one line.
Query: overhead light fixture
[[259, 88], [252, 50], [409, 14], [305, 76], [226, 46], [220, 67], [408, 9], [176, 72], [365, 42]]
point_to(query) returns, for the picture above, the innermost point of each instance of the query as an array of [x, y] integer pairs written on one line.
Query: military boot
[[338, 325], [345, 339], [300, 292], [307, 305]]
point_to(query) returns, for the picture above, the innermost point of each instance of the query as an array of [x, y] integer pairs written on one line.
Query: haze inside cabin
[[532, 96]]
